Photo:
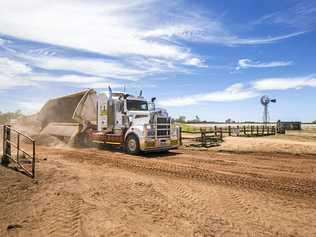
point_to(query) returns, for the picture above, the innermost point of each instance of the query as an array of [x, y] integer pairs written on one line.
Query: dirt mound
[[47, 140]]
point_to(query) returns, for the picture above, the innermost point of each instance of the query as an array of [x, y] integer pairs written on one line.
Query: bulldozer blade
[[66, 116]]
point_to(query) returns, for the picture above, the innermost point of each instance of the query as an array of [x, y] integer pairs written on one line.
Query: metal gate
[[20, 149]]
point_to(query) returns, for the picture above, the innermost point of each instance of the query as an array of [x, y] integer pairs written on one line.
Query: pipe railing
[[7, 149]]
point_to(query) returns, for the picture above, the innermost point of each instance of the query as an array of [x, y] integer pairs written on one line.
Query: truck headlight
[[174, 131], [149, 130]]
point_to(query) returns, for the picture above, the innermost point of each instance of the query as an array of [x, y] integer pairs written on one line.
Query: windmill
[[265, 101]]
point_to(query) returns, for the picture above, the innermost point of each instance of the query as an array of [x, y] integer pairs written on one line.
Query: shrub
[[6, 117]]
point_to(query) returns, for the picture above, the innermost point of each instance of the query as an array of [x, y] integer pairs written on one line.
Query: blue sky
[[214, 59]]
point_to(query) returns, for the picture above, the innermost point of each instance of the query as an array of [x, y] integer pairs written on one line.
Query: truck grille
[[163, 127]]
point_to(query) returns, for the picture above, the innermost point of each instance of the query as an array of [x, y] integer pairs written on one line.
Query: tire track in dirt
[[15, 192], [233, 203], [235, 164], [223, 212], [155, 203], [263, 209], [61, 218], [234, 215], [142, 199], [56, 211], [270, 154], [164, 167], [206, 222], [251, 217]]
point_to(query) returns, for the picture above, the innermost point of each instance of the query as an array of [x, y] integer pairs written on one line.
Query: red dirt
[[91, 192]]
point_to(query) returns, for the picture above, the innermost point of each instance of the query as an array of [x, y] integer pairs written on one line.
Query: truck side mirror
[[153, 99]]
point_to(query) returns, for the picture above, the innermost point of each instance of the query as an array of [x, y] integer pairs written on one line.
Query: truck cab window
[[137, 105]]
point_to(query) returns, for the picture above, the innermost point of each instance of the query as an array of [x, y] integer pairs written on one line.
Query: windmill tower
[[265, 101]]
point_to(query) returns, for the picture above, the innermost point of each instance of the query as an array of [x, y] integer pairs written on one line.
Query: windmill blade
[[265, 100]]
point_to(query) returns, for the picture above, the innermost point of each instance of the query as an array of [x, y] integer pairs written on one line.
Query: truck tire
[[132, 145], [82, 140]]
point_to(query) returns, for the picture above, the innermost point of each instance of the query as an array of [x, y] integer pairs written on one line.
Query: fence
[[213, 136], [239, 131], [12, 141]]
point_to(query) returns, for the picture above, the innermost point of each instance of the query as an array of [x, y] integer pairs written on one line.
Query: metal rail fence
[[214, 135], [240, 131], [24, 159]]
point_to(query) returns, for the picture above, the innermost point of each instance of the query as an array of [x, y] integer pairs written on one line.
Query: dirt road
[[90, 192]]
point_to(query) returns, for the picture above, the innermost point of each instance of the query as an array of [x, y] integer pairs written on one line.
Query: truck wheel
[[132, 145], [82, 140]]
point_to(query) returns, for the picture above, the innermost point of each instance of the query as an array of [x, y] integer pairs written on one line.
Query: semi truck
[[114, 118]]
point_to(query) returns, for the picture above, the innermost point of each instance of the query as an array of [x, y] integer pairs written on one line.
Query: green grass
[[189, 129]]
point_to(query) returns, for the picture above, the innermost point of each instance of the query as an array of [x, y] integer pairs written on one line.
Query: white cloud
[[133, 33], [238, 91], [299, 16], [285, 83], [111, 28], [183, 31], [10, 67], [104, 85], [32, 106], [235, 92], [11, 72], [127, 68], [14, 74], [118, 28], [247, 63], [231, 40], [8, 82], [95, 67], [202, 29], [77, 81], [73, 79], [195, 62], [2, 42]]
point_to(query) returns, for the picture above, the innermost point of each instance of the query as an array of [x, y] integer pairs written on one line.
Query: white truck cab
[[140, 126]]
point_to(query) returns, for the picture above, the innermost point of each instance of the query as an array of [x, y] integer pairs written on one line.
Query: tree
[[181, 119], [6, 117], [229, 121]]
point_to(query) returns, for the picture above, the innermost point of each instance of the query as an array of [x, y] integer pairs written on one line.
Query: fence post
[[238, 131], [3, 142], [180, 135], [257, 130], [229, 131], [221, 133], [215, 132], [6, 145], [203, 136], [33, 161], [268, 130], [262, 130], [245, 132], [251, 130], [3, 160], [18, 147]]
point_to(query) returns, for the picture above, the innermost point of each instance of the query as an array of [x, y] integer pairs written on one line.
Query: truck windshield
[[137, 105]]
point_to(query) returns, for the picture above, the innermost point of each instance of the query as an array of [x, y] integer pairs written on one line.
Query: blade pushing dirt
[[65, 116]]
